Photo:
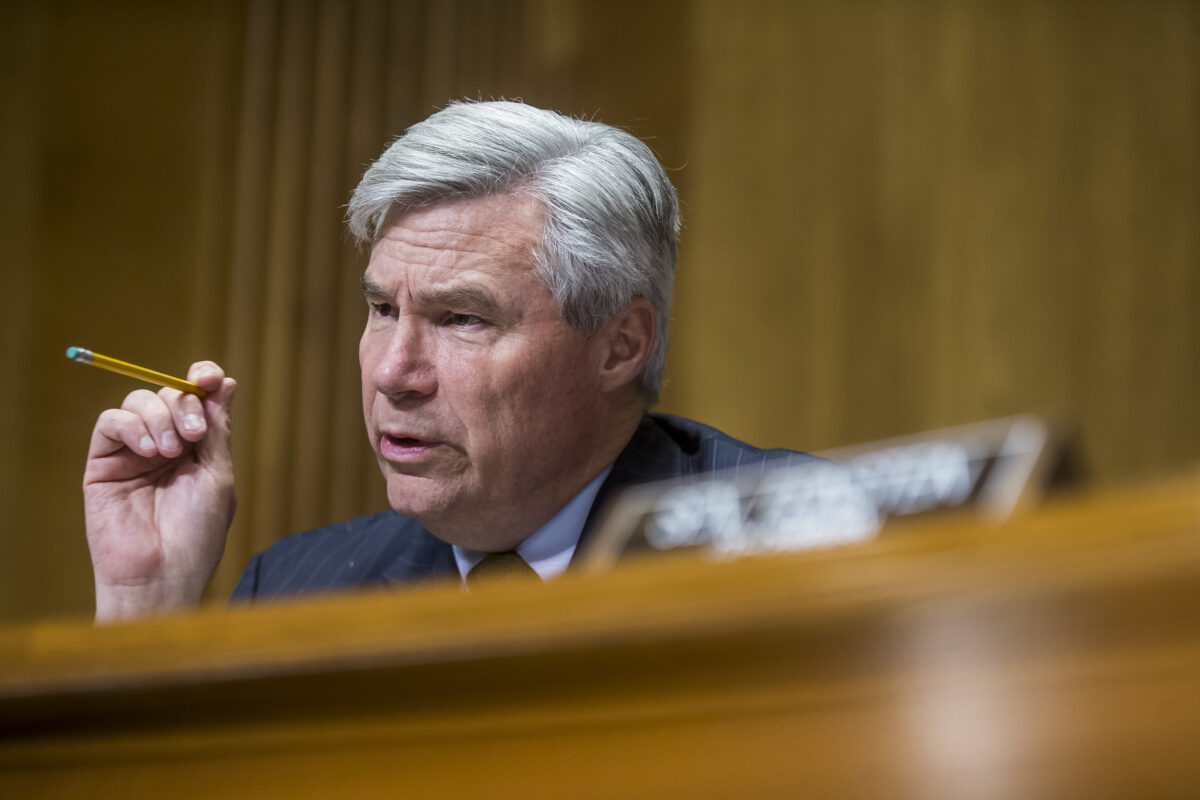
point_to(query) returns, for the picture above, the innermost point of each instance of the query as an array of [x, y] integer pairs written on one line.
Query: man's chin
[[445, 515], [416, 497]]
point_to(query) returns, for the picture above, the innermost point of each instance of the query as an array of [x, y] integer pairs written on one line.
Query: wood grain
[[1052, 656]]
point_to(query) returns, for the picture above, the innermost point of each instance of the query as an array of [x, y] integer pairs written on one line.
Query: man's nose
[[407, 364]]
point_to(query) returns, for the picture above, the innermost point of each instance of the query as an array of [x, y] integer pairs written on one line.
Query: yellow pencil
[[132, 370]]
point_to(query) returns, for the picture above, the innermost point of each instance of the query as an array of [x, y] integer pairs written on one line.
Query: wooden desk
[[1055, 656]]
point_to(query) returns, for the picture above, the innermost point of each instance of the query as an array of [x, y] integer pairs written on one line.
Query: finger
[[217, 404], [116, 429], [207, 375], [213, 445], [187, 413], [157, 418]]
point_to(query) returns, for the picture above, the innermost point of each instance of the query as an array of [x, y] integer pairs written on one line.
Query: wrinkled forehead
[[518, 210], [496, 234]]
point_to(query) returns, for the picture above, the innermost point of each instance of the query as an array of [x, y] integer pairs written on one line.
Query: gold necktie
[[500, 566]]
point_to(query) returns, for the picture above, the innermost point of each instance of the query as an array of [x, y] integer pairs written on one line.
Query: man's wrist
[[122, 603]]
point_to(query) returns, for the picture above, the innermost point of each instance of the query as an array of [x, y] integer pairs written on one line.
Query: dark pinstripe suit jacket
[[389, 548]]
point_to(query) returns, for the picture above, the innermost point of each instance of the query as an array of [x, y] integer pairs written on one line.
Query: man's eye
[[463, 320], [383, 310]]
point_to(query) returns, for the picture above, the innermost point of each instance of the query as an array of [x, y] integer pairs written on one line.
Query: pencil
[[84, 356]]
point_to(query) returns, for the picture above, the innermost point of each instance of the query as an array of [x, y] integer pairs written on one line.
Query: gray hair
[[612, 216]]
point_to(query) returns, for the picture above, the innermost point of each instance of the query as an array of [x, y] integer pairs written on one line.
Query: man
[[518, 295]]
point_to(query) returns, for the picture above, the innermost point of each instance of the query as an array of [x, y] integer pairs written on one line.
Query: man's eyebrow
[[467, 298], [372, 289]]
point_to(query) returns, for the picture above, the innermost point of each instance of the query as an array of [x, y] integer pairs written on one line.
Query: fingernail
[[170, 439], [192, 422], [146, 443]]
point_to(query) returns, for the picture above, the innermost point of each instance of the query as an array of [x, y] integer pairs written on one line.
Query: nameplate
[[846, 497]]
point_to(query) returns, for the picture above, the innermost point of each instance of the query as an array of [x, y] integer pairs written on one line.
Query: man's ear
[[626, 342]]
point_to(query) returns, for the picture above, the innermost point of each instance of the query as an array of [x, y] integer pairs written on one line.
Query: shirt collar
[[548, 551]]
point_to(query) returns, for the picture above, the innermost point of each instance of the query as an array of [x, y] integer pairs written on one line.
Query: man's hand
[[158, 496]]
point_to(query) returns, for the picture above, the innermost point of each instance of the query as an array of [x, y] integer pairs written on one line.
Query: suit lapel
[[421, 555]]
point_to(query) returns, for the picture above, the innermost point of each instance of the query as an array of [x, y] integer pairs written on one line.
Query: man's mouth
[[404, 440], [400, 447]]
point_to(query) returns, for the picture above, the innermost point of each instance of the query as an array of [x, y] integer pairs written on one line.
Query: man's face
[[481, 403]]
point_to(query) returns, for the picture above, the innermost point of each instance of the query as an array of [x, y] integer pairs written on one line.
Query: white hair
[[611, 213]]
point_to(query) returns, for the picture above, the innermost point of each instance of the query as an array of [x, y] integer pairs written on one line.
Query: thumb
[[215, 444]]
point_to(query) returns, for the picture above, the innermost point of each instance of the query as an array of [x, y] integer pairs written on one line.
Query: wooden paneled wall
[[912, 215], [897, 216]]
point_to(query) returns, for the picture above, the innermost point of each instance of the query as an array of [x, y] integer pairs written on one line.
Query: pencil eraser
[[72, 352]]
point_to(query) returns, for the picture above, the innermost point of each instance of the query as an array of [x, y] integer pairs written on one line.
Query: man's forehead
[[484, 241], [508, 219], [496, 236]]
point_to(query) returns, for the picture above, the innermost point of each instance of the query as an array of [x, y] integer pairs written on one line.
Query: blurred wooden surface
[[898, 216], [1057, 655]]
